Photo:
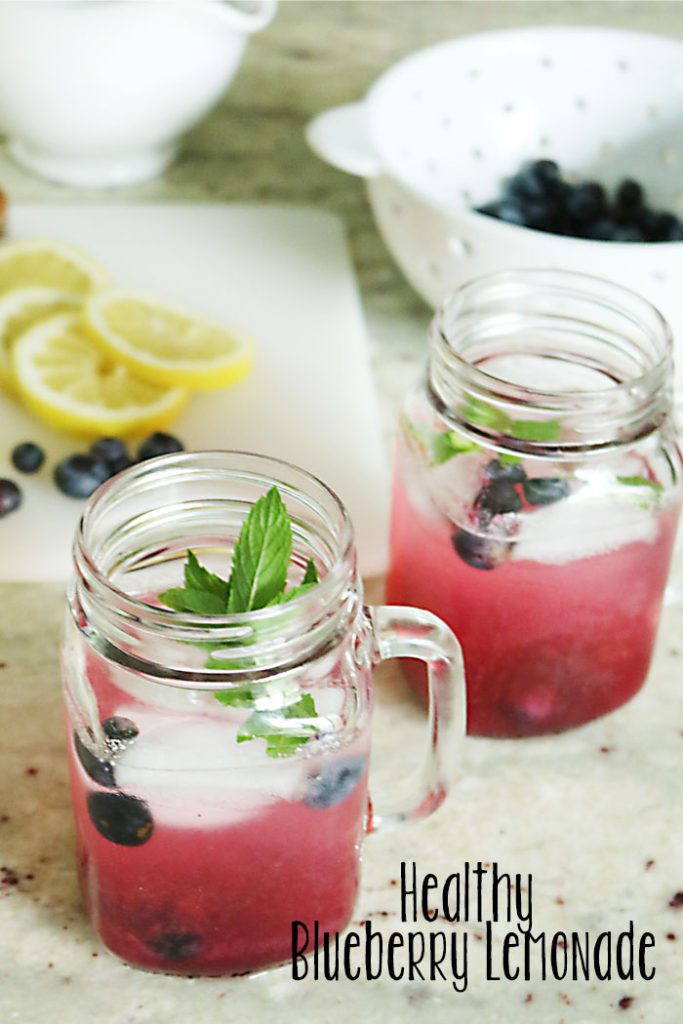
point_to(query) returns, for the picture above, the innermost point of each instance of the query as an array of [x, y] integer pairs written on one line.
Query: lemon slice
[[20, 308], [47, 264], [166, 345], [67, 381]]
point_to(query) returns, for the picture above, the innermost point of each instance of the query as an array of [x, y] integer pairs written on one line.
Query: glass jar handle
[[414, 633]]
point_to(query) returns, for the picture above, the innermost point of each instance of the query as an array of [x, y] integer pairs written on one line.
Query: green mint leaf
[[309, 581], [486, 415], [199, 578], [641, 481], [311, 574], [259, 577], [304, 707], [204, 593], [175, 599], [296, 592], [444, 446], [535, 430], [506, 459], [241, 697], [648, 497], [280, 742], [281, 745], [197, 602], [261, 557]]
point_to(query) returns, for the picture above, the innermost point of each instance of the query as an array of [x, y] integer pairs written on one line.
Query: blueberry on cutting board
[[79, 476], [10, 497], [101, 772], [122, 819], [334, 783], [159, 444], [113, 452], [28, 457]]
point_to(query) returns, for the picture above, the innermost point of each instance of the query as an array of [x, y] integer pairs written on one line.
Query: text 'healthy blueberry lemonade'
[[217, 675], [537, 493]]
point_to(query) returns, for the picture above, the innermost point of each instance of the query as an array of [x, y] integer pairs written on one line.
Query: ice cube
[[193, 773], [586, 524], [454, 484]]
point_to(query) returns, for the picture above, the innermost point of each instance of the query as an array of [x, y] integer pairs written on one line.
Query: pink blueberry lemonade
[[195, 852], [557, 624]]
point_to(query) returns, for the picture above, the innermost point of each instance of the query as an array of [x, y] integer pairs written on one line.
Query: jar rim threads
[[562, 322]]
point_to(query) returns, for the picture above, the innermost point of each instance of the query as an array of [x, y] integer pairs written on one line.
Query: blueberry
[[488, 209], [78, 476], [545, 490], [478, 552], [541, 214], [603, 229], [176, 945], [497, 470], [629, 194], [101, 772], [657, 226], [523, 186], [334, 783], [159, 444], [120, 818], [586, 203], [508, 210], [119, 728], [113, 452], [538, 180], [627, 233], [10, 497], [675, 232], [28, 457], [545, 170], [119, 465], [109, 449], [498, 497]]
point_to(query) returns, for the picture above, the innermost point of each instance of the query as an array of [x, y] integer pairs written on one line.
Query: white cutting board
[[283, 275]]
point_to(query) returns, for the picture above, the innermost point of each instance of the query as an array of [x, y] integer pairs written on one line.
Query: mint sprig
[[258, 579], [486, 415], [641, 481], [204, 593], [444, 446], [650, 490], [262, 554], [281, 743], [441, 446]]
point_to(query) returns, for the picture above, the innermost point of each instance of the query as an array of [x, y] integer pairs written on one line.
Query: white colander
[[440, 130]]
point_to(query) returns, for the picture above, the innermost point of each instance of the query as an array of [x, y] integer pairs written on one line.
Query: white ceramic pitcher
[[97, 93]]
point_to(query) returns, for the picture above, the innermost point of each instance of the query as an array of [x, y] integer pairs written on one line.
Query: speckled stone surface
[[594, 815]]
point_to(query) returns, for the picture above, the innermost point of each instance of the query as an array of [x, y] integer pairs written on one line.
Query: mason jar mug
[[219, 761], [537, 493]]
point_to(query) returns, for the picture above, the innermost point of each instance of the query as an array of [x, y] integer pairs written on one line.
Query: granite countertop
[[592, 815]]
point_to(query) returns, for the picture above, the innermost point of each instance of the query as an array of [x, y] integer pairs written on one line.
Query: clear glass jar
[[537, 493], [196, 852]]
